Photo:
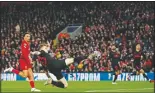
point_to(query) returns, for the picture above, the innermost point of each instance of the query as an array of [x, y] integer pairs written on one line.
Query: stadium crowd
[[123, 24]]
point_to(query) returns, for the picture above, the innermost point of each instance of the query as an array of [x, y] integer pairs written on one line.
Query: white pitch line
[[110, 90]]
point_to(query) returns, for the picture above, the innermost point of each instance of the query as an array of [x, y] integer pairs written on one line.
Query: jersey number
[[42, 60]]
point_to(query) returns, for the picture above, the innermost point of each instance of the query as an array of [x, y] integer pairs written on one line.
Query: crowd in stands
[[123, 24]]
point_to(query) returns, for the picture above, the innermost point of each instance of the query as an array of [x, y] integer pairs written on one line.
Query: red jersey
[[25, 51]]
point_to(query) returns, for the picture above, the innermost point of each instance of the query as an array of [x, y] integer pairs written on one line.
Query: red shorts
[[24, 65]]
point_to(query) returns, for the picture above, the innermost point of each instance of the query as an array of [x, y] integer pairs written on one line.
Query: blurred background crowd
[[123, 24]]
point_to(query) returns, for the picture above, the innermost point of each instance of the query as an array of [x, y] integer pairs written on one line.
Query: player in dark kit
[[138, 56], [115, 61], [53, 66]]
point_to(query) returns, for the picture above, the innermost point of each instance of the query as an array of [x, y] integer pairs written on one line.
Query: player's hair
[[42, 44], [26, 33]]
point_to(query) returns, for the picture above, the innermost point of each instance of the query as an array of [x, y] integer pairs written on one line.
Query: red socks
[[32, 84], [15, 71]]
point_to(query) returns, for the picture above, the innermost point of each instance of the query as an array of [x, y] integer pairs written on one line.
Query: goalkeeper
[[54, 66]]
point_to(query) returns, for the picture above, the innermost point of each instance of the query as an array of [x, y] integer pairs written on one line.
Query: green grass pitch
[[80, 86]]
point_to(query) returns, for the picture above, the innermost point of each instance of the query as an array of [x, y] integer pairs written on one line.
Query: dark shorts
[[55, 68], [115, 67], [137, 67], [58, 75]]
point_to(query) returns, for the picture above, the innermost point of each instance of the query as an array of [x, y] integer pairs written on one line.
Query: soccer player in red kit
[[25, 62]]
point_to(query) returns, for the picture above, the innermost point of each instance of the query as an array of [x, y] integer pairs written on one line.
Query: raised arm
[[35, 53]]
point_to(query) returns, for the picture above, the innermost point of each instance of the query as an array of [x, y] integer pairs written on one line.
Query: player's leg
[[23, 67], [64, 81], [58, 84], [142, 71], [61, 83], [31, 80], [49, 77], [61, 64], [47, 74], [116, 73], [69, 61], [23, 73], [115, 77], [136, 71]]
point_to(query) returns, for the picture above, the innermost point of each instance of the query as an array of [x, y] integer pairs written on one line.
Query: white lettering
[[123, 76], [86, 76], [109, 76], [13, 77], [8, 77], [137, 78], [96, 76], [74, 76], [4, 77], [90, 77], [78, 77], [132, 78], [141, 77], [113, 76], [127, 75], [69, 77], [119, 78], [82, 77]]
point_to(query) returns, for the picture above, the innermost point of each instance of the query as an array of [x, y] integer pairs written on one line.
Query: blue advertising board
[[80, 77]]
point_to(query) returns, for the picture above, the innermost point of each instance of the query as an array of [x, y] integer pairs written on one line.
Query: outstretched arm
[[35, 53]]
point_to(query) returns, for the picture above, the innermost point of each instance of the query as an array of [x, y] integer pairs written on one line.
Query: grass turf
[[80, 86]]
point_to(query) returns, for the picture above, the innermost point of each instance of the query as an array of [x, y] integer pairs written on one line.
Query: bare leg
[[69, 61], [23, 73], [31, 78], [64, 81]]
